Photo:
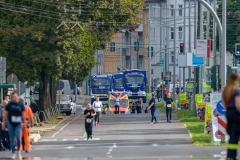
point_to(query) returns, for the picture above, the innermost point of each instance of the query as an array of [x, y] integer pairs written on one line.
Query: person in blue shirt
[[117, 101], [152, 107]]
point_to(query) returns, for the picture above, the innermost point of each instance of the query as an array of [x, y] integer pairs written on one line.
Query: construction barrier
[[222, 125]]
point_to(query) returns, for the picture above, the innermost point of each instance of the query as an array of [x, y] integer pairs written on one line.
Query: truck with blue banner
[[118, 82], [135, 83], [101, 85]]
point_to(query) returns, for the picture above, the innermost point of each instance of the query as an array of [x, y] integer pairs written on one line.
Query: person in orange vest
[[25, 131]]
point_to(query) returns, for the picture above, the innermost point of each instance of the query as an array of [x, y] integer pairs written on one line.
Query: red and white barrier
[[222, 125]]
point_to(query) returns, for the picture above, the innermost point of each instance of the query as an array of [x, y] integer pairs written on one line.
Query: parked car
[[66, 104]]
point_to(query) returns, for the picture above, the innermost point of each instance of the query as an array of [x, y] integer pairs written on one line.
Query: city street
[[120, 137]]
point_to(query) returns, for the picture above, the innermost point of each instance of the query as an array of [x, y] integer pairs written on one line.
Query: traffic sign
[[161, 62], [168, 76], [12, 79], [203, 48], [220, 108]]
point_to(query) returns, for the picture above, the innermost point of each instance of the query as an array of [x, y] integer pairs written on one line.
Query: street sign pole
[[149, 57], [137, 47]]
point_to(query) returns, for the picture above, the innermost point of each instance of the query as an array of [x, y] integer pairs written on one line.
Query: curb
[[190, 134]]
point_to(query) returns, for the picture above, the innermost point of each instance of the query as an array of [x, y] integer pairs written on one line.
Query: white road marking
[[64, 139], [114, 145], [155, 145], [64, 126], [108, 152], [76, 139], [216, 155], [223, 152], [69, 147]]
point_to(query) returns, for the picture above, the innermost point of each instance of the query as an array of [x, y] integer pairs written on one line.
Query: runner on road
[[98, 108], [168, 105], [117, 104], [231, 100], [88, 114], [13, 116], [152, 107]]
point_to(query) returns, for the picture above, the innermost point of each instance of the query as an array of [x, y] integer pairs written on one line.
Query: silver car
[[66, 104]]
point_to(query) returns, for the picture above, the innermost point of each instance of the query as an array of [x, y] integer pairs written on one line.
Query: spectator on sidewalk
[[139, 104], [158, 93], [5, 134], [83, 109]]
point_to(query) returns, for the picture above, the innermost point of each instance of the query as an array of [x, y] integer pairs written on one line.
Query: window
[[180, 33], [172, 10], [180, 10], [172, 33], [172, 57]]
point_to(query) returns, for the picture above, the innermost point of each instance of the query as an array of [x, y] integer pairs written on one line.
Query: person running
[[117, 101], [14, 114], [168, 105], [152, 107], [231, 101], [26, 145], [98, 108], [88, 114]]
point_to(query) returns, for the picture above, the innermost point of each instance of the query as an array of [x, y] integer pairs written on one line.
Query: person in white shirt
[[98, 108], [83, 109]]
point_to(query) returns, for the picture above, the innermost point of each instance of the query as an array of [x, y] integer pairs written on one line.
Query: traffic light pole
[[137, 53], [184, 47], [174, 46]]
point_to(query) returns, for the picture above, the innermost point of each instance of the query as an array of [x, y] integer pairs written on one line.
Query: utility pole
[[223, 60], [214, 35], [137, 53], [150, 51], [184, 49], [174, 46], [167, 39], [201, 37], [189, 36], [207, 34], [120, 51]]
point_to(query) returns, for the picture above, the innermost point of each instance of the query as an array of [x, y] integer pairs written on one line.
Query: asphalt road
[[126, 137]]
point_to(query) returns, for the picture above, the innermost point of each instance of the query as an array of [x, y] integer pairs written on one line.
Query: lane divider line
[[65, 126]]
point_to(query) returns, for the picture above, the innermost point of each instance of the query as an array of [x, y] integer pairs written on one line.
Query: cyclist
[[98, 108], [88, 114]]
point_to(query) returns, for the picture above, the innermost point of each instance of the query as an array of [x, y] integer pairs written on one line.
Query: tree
[[37, 51]]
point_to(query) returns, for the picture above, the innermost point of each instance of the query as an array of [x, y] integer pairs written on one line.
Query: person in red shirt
[[165, 92], [25, 131]]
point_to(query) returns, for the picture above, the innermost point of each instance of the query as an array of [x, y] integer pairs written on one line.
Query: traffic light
[[213, 76], [181, 47], [151, 52], [112, 46], [230, 69], [237, 49], [136, 46]]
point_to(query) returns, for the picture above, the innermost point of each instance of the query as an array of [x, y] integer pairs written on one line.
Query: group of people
[[15, 121], [168, 101], [91, 111], [137, 106]]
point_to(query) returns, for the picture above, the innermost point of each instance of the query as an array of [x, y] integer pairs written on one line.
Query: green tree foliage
[[38, 49]]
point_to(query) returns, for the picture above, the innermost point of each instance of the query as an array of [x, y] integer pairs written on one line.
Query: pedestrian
[[152, 107], [7, 98], [13, 116], [83, 109], [98, 108], [25, 131], [168, 105], [117, 101], [133, 107], [165, 92], [2, 137], [231, 101], [158, 93], [88, 114], [177, 89], [139, 105]]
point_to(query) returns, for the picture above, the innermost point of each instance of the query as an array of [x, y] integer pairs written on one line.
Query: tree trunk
[[44, 93], [53, 92]]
